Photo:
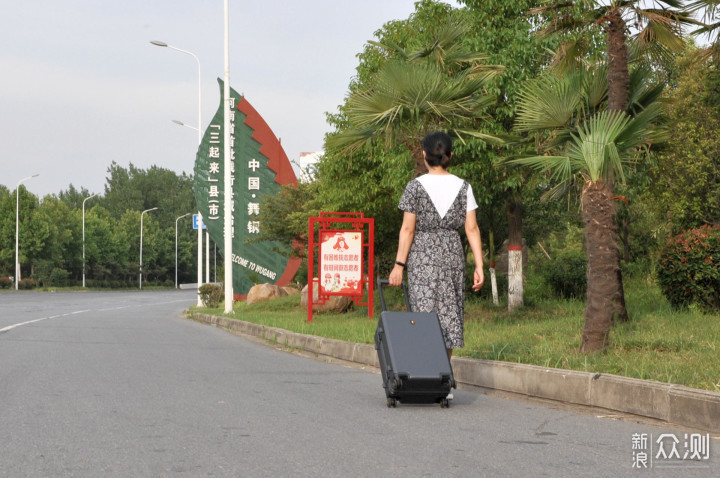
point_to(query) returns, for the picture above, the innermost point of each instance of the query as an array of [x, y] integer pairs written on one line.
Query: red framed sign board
[[344, 264]]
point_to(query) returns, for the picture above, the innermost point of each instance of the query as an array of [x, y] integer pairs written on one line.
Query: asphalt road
[[119, 384]]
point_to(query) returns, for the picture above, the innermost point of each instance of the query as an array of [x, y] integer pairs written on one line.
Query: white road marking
[[10, 327]]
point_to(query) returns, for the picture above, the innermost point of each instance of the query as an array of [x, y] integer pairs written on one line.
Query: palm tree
[[415, 92], [658, 31], [583, 139]]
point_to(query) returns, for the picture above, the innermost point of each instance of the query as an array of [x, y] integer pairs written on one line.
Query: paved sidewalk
[[675, 404]]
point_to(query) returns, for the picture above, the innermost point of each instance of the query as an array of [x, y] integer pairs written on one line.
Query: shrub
[[58, 277], [27, 283], [689, 268], [566, 274], [211, 295], [5, 282]]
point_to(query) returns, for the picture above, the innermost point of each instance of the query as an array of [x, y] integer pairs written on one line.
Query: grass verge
[[659, 343]]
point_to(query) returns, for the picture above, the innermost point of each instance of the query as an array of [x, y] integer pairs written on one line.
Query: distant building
[[307, 163]]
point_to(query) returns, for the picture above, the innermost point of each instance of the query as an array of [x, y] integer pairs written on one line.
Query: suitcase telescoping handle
[[382, 282]]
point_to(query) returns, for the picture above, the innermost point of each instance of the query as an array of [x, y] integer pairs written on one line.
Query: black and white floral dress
[[436, 263]]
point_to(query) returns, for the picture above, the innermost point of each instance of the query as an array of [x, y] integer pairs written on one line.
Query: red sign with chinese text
[[340, 263], [344, 260]]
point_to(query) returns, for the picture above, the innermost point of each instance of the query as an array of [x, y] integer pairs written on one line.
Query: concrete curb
[[676, 404]]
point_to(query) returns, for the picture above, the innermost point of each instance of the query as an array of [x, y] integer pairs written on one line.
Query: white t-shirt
[[443, 189]]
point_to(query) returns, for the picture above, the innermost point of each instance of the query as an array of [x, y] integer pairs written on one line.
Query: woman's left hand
[[396, 276], [478, 279]]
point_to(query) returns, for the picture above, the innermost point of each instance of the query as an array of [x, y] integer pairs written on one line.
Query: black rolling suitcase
[[414, 364]]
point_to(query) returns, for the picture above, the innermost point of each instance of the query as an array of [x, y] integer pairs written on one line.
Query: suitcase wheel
[[391, 402], [444, 403]]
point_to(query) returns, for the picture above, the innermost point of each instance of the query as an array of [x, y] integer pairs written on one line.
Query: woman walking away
[[435, 206]]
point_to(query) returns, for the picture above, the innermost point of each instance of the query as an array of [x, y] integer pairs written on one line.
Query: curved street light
[[199, 130], [141, 240], [17, 227], [176, 240], [184, 124], [83, 231], [165, 45]]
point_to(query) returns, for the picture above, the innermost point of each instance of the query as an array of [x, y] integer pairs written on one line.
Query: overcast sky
[[81, 85]]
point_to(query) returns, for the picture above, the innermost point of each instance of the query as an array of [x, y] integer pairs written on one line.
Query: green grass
[[659, 343]]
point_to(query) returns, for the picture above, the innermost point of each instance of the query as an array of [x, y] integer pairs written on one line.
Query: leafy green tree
[[418, 77], [61, 249], [102, 258], [503, 30], [135, 189], [121, 193], [34, 233], [7, 232], [74, 198], [590, 142], [686, 190], [371, 178]]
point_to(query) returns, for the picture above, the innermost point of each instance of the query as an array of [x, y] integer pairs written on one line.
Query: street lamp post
[[227, 222], [83, 231], [199, 130], [176, 241], [141, 239], [17, 227]]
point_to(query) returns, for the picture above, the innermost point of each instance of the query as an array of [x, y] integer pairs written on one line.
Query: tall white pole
[[199, 128], [199, 267], [207, 257], [176, 241], [141, 240], [227, 166], [83, 208], [199, 258], [17, 228]]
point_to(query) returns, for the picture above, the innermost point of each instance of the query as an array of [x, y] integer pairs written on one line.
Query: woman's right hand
[[478, 278], [396, 276]]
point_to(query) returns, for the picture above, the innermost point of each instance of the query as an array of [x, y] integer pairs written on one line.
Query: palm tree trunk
[[618, 74], [618, 88], [598, 207], [416, 151]]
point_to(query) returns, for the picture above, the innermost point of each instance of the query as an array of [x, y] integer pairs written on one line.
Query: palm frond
[[641, 92], [595, 86], [673, 3], [710, 5], [407, 97], [660, 27], [594, 145], [390, 47], [558, 168], [350, 140], [494, 139], [641, 129], [548, 102], [567, 57]]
